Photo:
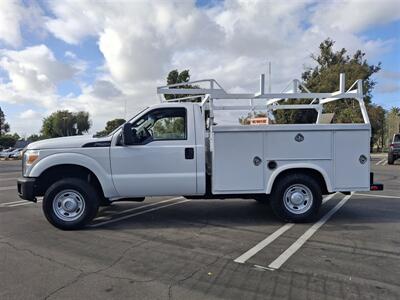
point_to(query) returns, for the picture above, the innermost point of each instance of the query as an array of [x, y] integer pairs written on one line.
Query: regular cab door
[[161, 161]]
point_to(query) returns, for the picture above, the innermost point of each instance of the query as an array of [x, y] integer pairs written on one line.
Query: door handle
[[189, 153]]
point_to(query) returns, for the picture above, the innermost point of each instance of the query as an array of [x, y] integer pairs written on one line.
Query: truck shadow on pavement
[[193, 213], [243, 213]]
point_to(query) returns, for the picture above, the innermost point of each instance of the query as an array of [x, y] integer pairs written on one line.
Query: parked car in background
[[17, 153], [12, 153], [6, 152], [394, 149]]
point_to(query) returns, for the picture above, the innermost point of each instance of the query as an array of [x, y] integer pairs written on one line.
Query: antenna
[[269, 77], [125, 109]]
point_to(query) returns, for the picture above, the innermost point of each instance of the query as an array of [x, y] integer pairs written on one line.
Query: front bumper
[[26, 188]]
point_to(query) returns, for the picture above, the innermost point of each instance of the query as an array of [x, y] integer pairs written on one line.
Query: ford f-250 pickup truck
[[177, 148]]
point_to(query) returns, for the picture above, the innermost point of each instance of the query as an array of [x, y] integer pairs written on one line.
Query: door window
[[159, 125]]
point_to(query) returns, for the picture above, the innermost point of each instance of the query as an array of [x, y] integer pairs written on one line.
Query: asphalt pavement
[[174, 248]]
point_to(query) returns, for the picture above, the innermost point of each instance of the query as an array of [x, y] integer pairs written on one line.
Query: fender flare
[[77, 159], [298, 166]]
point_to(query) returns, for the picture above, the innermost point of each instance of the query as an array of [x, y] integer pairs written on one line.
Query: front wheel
[[70, 203], [296, 198]]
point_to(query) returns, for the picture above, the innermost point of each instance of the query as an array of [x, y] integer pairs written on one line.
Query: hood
[[71, 142]]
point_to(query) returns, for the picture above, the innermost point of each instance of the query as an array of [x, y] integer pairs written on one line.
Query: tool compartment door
[[351, 170], [234, 170]]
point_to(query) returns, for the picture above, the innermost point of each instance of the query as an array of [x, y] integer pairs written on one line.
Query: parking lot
[[174, 248]]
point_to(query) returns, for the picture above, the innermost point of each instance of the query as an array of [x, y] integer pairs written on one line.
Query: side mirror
[[127, 134]]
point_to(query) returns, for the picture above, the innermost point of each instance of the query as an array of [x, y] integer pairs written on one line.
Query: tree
[[4, 127], [377, 116], [324, 77], [8, 140], [34, 137], [110, 127], [174, 77], [65, 123]]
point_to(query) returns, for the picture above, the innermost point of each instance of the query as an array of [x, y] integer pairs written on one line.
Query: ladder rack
[[214, 91]]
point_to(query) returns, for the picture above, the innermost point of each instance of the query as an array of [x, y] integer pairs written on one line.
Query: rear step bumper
[[374, 186]]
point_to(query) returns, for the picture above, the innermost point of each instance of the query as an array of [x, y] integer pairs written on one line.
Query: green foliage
[[175, 77], [4, 127], [377, 116], [110, 127], [295, 116], [169, 128], [325, 78], [8, 140], [35, 137], [65, 123]]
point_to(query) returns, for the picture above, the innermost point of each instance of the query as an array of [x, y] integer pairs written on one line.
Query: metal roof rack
[[295, 90]]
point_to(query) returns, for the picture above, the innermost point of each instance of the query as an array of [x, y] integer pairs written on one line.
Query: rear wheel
[[70, 203], [391, 159], [296, 198]]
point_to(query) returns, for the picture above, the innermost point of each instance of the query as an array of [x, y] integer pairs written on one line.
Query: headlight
[[30, 156]]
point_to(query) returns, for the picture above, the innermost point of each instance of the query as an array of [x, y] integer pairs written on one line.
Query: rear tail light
[[391, 146]]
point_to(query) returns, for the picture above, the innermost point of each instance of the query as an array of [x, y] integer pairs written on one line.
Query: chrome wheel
[[68, 205], [298, 199]]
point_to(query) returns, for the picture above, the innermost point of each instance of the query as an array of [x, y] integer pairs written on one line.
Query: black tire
[[86, 194], [391, 159], [301, 183]]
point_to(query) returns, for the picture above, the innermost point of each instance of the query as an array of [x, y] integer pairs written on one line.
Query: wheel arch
[[309, 169], [62, 165]]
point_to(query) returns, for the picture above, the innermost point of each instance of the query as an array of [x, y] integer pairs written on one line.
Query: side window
[[161, 124], [396, 138]]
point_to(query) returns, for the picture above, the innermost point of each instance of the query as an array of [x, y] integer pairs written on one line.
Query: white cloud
[[75, 20], [355, 15], [27, 122], [34, 69], [29, 114], [13, 15], [142, 40]]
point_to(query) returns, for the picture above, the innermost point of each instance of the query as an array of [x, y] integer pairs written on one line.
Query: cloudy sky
[[97, 55]]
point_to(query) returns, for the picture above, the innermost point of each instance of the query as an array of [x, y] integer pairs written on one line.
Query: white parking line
[[22, 204], [381, 161], [269, 239], [385, 163], [261, 245], [147, 205], [135, 208], [137, 214], [8, 179], [13, 202], [7, 188], [9, 173], [378, 196], [278, 262]]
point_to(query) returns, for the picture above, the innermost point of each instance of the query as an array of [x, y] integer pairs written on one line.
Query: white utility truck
[[177, 148]]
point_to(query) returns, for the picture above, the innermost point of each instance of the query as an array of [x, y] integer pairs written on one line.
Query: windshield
[[116, 129], [396, 138]]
